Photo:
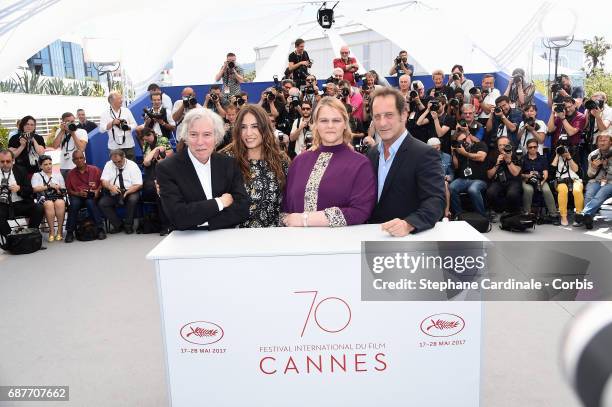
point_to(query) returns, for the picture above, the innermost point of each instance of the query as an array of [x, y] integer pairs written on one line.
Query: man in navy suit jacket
[[410, 182], [199, 188]]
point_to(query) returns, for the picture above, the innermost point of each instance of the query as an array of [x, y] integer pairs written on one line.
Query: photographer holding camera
[[166, 101], [69, 138], [531, 128], [232, 76], [469, 156], [439, 87], [401, 66], [456, 80], [214, 100], [519, 90], [157, 118], [467, 122], [156, 148], [437, 123], [486, 96], [83, 185], [16, 195], [598, 117], [311, 93], [534, 172], [565, 119], [118, 122], [562, 88], [504, 122], [301, 131], [566, 177], [51, 192], [299, 62], [122, 180], [505, 191], [348, 65], [351, 97], [27, 146], [187, 102], [281, 138], [599, 187]]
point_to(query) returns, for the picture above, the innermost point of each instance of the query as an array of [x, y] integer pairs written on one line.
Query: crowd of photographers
[[497, 154]]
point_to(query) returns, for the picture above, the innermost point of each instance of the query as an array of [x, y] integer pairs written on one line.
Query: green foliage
[[56, 86], [51, 136], [9, 86], [250, 76], [595, 51], [31, 83], [4, 132], [599, 82]]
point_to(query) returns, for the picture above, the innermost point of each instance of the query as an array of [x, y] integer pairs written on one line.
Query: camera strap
[[113, 126], [7, 178], [564, 169]]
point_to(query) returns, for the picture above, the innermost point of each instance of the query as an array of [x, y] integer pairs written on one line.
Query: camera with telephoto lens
[[238, 101], [517, 79], [475, 90], [270, 96], [454, 102], [189, 102], [231, 64], [531, 122], [562, 145], [123, 125], [435, 105], [457, 144], [413, 94], [309, 90], [307, 139], [5, 192], [359, 145], [594, 104], [602, 156], [345, 92], [497, 110], [559, 107], [72, 126], [358, 77], [463, 123], [508, 149], [556, 86], [150, 113], [294, 101], [365, 87], [456, 77], [534, 180]]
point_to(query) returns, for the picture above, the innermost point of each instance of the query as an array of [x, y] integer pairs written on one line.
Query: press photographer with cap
[[519, 90], [118, 122]]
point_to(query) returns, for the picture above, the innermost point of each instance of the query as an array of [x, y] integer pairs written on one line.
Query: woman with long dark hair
[[262, 163]]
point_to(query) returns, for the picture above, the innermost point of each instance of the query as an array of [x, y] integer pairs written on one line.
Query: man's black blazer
[[25, 185], [414, 187], [183, 197]]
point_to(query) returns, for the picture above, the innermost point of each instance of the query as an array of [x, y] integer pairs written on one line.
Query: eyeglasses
[[5, 161]]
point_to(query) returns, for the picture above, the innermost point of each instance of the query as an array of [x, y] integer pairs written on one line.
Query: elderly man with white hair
[[348, 65], [199, 188], [118, 122]]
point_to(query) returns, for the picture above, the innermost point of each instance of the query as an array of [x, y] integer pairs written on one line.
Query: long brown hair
[[270, 151], [336, 104]]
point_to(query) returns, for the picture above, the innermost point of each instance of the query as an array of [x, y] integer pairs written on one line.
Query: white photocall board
[[274, 317]]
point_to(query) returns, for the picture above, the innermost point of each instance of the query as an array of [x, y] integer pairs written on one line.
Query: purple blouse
[[333, 179]]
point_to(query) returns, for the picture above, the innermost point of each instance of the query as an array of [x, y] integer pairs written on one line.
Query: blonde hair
[[337, 105]]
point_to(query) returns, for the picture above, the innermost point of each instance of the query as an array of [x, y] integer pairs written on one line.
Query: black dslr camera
[[358, 77], [517, 79], [534, 180], [497, 110], [72, 126], [5, 192], [359, 145], [270, 96], [559, 107], [123, 125], [563, 146], [454, 103], [308, 139], [456, 77], [345, 92], [594, 104], [189, 102], [556, 86], [231, 64], [435, 105], [531, 122], [150, 113], [294, 101]]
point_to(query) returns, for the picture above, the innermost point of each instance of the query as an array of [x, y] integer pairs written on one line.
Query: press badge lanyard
[[113, 126]]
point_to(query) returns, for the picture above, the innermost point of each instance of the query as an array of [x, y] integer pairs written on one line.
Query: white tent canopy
[[196, 35]]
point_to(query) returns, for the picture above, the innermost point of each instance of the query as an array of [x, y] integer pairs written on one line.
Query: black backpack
[[517, 222], [150, 223], [477, 221], [86, 230], [22, 241]]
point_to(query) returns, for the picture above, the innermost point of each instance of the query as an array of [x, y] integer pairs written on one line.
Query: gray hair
[[467, 106], [118, 152], [206, 114], [112, 94]]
